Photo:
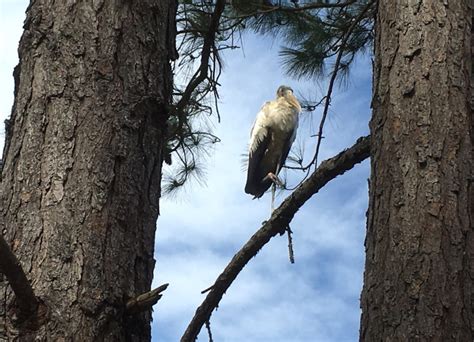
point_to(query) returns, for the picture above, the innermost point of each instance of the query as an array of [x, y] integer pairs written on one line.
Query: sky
[[203, 226]]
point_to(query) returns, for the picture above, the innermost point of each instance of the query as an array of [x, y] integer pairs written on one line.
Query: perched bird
[[271, 138]]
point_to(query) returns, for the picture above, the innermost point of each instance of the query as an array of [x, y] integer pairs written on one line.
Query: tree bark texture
[[419, 275], [82, 164]]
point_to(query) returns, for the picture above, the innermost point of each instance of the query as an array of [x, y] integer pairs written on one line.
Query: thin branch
[[145, 301], [11, 268], [291, 253], [332, 80], [209, 332], [317, 5], [207, 290], [265, 9], [201, 73], [278, 222]]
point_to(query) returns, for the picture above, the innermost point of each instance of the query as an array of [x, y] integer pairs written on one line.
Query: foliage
[[314, 36]]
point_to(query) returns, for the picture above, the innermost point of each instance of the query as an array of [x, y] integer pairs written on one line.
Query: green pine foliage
[[310, 38]]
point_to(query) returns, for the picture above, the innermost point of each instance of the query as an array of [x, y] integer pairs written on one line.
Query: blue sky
[[199, 230]]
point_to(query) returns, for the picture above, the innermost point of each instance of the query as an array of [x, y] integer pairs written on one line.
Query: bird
[[271, 138]]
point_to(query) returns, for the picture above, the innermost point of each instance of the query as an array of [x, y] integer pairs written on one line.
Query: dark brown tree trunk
[[82, 164], [419, 276]]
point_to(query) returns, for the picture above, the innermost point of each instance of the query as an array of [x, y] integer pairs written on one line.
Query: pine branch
[[280, 219], [314, 36], [208, 44], [265, 9], [327, 97], [11, 268], [313, 6], [333, 79], [200, 66]]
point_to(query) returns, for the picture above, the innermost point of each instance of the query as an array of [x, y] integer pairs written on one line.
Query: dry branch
[[11, 268], [146, 300], [280, 219]]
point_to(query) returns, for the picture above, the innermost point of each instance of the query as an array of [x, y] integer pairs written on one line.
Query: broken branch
[[146, 300]]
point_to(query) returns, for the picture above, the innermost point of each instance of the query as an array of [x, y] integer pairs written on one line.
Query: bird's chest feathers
[[281, 117], [276, 122]]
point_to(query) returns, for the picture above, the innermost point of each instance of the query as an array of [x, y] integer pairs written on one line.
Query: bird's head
[[284, 90], [287, 93]]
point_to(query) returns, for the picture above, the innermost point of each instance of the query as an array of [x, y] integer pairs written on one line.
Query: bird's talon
[[274, 178]]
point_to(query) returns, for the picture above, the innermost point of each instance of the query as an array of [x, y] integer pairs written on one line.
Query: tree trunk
[[82, 164], [418, 282]]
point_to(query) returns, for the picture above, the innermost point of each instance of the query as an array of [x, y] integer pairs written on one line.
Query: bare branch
[[209, 332], [11, 268], [278, 222], [146, 300], [291, 253]]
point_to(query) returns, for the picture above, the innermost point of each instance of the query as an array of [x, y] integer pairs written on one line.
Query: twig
[[280, 219], [291, 253], [209, 332], [11, 268], [288, 230], [145, 301], [272, 205], [207, 290]]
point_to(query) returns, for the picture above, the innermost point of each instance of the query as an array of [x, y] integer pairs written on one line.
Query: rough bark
[[11, 268], [418, 282], [82, 164]]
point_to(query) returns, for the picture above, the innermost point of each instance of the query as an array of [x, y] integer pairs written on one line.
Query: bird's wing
[[287, 144], [259, 129], [259, 140], [255, 173]]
